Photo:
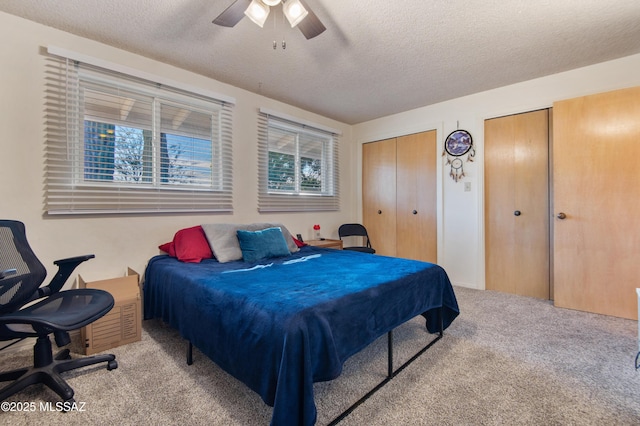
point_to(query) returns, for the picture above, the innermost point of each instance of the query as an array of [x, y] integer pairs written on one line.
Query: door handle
[[379, 211], [561, 216], [517, 213], [415, 212]]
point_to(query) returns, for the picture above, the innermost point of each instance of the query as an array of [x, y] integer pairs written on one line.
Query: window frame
[[298, 157], [297, 200], [68, 191]]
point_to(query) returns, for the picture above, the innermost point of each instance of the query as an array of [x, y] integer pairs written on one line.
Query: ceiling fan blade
[[233, 14], [311, 25]]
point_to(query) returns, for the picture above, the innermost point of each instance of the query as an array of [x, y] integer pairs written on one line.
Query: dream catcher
[[458, 144]]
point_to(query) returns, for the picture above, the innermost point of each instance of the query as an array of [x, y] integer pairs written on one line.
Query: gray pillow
[[223, 238]]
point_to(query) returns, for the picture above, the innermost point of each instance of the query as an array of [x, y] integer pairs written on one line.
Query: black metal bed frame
[[391, 373]]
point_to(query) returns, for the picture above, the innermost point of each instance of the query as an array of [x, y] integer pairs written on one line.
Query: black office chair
[[356, 230], [21, 275]]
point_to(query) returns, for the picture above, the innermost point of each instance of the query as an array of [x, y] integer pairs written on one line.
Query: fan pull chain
[[275, 43], [275, 28], [284, 44]]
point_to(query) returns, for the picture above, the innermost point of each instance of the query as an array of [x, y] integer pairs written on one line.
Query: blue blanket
[[281, 325]]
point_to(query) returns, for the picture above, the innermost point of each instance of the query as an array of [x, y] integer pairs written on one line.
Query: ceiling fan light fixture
[[257, 12], [271, 2], [294, 11]]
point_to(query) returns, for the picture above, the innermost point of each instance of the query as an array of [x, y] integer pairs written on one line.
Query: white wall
[[119, 242], [130, 241], [461, 214]]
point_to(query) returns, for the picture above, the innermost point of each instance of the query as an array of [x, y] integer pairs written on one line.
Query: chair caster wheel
[[63, 355], [112, 365]]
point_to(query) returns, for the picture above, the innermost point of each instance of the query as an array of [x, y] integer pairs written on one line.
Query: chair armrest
[[7, 272], [75, 260], [65, 268]]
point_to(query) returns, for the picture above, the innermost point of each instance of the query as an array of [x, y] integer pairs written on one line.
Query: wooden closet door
[[596, 155], [416, 201], [379, 194], [517, 204]]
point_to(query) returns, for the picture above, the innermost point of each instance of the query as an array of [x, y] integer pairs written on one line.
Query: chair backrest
[[15, 253], [354, 230]]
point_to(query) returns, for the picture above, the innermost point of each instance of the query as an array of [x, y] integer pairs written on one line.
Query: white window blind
[[298, 166], [122, 144]]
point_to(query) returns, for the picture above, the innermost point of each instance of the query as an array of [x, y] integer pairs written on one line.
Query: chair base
[[46, 370]]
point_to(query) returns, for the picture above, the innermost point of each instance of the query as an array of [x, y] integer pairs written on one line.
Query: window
[[298, 166], [122, 144]]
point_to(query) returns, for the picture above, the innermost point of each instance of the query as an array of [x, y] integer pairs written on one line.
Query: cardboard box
[[123, 323]]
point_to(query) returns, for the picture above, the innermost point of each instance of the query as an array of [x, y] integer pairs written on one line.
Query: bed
[[280, 324]]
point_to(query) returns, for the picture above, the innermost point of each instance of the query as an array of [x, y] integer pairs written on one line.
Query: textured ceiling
[[377, 57]]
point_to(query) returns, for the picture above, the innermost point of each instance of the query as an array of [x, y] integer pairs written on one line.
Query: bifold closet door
[[379, 194], [596, 191], [416, 200], [516, 186]]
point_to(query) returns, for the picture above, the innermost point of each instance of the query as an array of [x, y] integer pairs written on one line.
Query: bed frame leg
[[391, 373], [190, 353], [390, 354]]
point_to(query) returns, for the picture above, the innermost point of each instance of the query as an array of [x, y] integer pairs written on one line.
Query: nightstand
[[327, 243]]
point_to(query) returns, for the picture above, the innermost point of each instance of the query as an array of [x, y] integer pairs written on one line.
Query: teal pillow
[[258, 245]]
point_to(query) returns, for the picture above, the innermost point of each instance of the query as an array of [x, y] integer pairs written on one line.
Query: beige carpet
[[506, 360]]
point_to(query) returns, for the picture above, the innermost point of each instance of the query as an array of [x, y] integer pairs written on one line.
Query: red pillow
[[189, 245], [298, 242], [169, 248]]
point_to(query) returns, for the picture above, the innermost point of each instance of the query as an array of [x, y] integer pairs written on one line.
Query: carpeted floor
[[506, 360]]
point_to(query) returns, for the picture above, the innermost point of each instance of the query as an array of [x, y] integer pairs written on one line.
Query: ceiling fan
[[258, 10]]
